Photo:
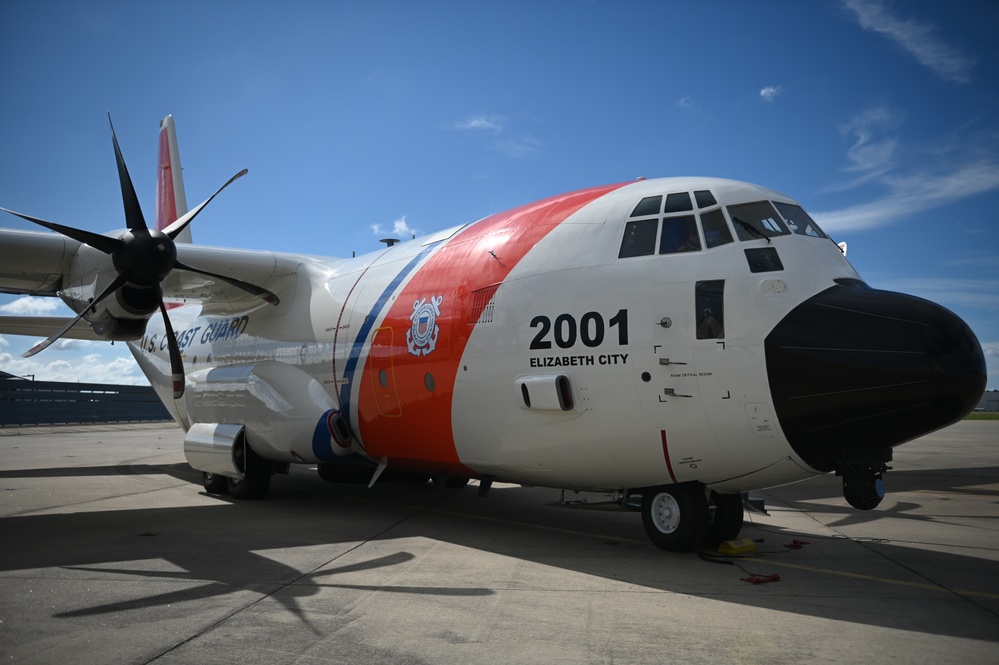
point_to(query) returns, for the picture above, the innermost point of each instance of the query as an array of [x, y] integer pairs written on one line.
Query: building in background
[[27, 402]]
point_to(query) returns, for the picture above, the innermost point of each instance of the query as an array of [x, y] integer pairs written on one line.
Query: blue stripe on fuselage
[[369, 322]]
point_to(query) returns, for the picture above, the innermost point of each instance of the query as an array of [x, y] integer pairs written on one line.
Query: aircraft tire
[[673, 515], [256, 478], [214, 483], [727, 521]]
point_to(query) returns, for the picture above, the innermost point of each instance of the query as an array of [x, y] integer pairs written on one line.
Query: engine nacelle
[[120, 318], [210, 447], [285, 413]]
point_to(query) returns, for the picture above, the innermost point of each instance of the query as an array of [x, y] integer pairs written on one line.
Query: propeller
[[143, 258]]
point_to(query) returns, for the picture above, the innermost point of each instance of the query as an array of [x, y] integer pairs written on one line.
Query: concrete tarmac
[[110, 552]]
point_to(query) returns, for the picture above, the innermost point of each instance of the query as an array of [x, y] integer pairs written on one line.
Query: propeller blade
[[181, 223], [44, 344], [252, 289], [133, 213], [176, 362], [95, 240]]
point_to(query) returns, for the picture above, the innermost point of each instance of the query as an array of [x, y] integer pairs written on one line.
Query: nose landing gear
[[862, 470]]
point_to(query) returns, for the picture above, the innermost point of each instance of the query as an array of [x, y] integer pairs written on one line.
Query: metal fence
[[49, 402]]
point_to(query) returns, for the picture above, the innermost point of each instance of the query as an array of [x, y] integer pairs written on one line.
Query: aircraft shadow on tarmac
[[219, 544]]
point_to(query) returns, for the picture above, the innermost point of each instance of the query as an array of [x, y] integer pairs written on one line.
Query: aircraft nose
[[855, 367]]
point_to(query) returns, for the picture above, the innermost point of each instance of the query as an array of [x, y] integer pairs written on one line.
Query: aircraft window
[[799, 221], [709, 299], [764, 259], [704, 198], [650, 205], [639, 238], [716, 231], [760, 216], [678, 202], [679, 235]]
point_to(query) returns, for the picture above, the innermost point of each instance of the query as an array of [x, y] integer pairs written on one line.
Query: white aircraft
[[675, 342]]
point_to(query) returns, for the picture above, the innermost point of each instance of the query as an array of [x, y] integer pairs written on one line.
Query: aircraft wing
[[43, 264], [43, 326], [34, 263]]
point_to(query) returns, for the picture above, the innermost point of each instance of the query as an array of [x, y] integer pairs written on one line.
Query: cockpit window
[[798, 220], [679, 235], [679, 202], [639, 238], [753, 221], [650, 205], [704, 198], [716, 231]]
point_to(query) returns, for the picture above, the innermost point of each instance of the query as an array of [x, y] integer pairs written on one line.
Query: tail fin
[[171, 202]]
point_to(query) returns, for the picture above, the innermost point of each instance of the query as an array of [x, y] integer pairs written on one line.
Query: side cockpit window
[[639, 238]]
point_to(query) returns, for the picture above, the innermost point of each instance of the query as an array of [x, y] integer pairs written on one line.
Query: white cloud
[[685, 103], [490, 123], [72, 344], [991, 350], [871, 154], [964, 293], [769, 93], [511, 146], [916, 39], [400, 229], [31, 306], [3, 341], [89, 368], [911, 178]]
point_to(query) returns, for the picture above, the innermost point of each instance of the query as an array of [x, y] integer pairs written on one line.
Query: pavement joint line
[[873, 578]]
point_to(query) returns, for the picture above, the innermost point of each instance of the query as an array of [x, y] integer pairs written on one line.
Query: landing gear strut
[[862, 470]]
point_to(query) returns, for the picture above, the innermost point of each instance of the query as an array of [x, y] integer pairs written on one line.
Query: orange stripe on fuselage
[[404, 405]]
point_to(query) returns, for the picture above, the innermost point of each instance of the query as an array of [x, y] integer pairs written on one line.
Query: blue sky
[[358, 120]]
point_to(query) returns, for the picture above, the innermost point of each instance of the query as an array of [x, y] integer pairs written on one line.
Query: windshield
[[756, 220], [798, 220]]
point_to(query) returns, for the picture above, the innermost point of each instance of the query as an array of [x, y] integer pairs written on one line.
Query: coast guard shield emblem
[[421, 338]]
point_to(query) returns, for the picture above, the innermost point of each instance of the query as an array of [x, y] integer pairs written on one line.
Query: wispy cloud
[[504, 141], [770, 93], [915, 38], [685, 102], [517, 147], [872, 153], [400, 229], [963, 293], [911, 194], [488, 123], [908, 178]]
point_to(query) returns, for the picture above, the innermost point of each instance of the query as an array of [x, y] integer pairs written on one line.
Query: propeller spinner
[[143, 258]]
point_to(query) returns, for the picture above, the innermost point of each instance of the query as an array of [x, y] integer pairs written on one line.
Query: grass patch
[[982, 415]]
